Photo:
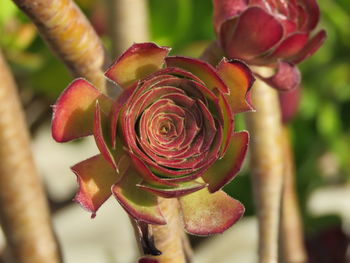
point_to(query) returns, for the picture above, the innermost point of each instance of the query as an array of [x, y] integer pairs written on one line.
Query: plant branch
[[291, 235], [168, 238], [128, 23], [164, 243], [24, 212], [266, 165], [70, 35]]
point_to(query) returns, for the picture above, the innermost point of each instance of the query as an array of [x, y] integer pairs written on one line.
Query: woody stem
[[24, 212], [128, 23], [70, 35], [266, 162], [170, 238], [291, 231]]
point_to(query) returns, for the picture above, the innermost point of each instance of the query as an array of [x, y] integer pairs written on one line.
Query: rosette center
[[173, 124]]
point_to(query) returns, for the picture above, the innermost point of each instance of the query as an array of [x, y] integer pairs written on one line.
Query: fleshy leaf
[[100, 138], [289, 102], [95, 177], [205, 213], [313, 13], [171, 192], [286, 78], [73, 112], [290, 46], [239, 79], [310, 48], [140, 60], [115, 111], [140, 204], [199, 68], [146, 173], [227, 124], [171, 71], [256, 31], [226, 9], [225, 169]]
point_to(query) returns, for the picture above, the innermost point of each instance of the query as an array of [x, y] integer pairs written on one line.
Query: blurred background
[[320, 132]]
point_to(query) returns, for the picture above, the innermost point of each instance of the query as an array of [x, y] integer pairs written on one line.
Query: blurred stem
[[24, 212], [266, 147], [69, 34], [291, 235], [128, 21]]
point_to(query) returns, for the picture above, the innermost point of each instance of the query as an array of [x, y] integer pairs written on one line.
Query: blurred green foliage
[[320, 131]]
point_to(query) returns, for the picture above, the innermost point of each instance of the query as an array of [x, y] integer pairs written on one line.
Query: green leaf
[[328, 121], [7, 10]]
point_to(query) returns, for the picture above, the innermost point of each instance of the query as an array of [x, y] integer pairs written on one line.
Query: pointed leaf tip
[[239, 80], [287, 77], [310, 48], [95, 177]]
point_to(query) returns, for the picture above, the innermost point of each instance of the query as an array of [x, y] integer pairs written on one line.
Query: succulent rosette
[[274, 33], [169, 134]]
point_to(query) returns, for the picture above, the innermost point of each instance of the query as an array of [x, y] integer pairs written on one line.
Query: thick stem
[[168, 238], [69, 34], [24, 212], [291, 235], [128, 21], [266, 166]]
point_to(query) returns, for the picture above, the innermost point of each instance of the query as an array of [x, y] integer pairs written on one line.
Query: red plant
[[289, 103], [275, 33], [169, 134]]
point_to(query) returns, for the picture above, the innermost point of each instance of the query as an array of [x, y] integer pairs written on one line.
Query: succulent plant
[[274, 33], [169, 134]]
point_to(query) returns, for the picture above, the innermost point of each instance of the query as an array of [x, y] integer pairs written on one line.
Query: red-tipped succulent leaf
[[169, 134], [73, 112], [205, 213], [136, 63], [273, 33], [139, 204], [95, 177]]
